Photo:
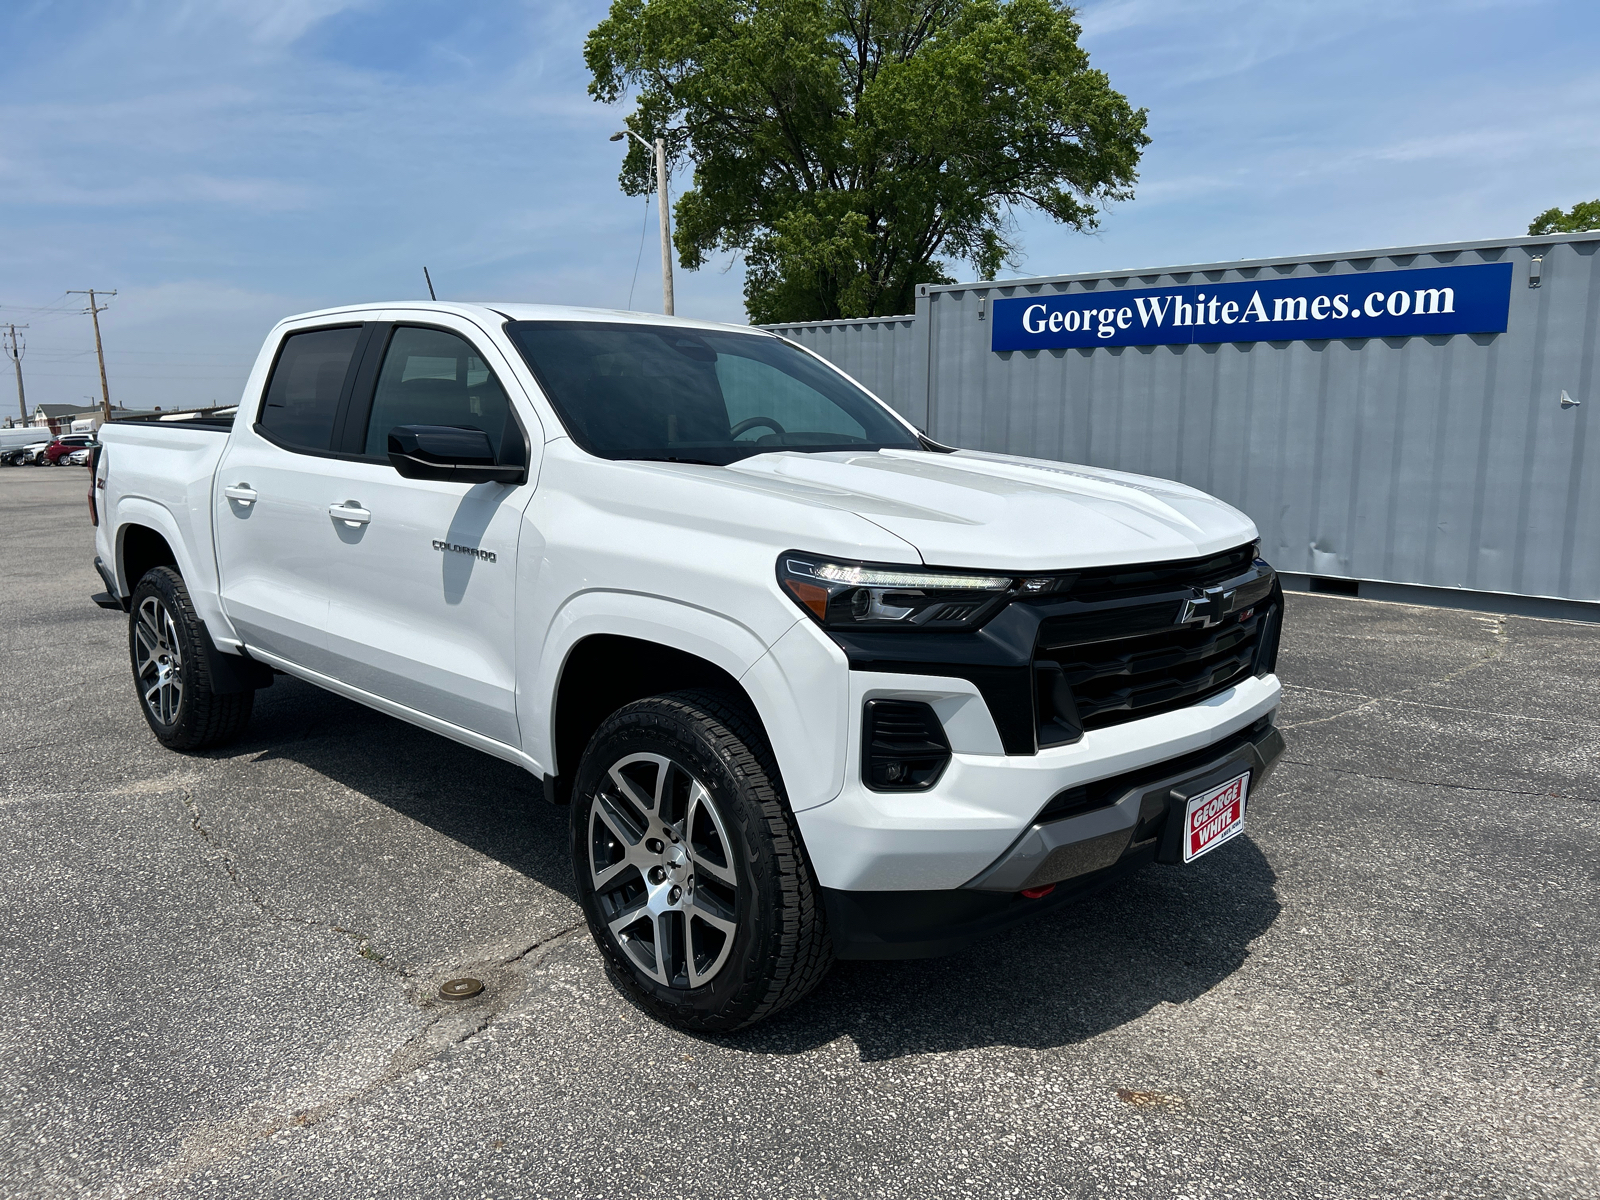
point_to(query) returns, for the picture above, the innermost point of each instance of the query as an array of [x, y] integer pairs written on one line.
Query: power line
[[639, 257], [239, 375], [53, 306]]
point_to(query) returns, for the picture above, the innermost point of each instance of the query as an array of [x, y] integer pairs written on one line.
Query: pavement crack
[[1458, 787], [224, 856], [1493, 653], [1349, 712], [545, 941], [448, 1026], [1449, 708], [219, 851]]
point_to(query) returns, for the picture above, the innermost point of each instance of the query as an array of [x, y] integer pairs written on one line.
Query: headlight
[[851, 595]]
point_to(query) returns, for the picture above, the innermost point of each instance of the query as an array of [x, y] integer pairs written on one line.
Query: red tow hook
[[1038, 892]]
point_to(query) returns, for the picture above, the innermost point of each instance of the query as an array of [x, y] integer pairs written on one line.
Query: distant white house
[[72, 418], [57, 418]]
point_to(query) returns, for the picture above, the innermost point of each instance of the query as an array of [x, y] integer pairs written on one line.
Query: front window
[[434, 377], [681, 395]]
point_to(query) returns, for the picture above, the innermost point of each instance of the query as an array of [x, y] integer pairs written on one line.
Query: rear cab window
[[309, 380]]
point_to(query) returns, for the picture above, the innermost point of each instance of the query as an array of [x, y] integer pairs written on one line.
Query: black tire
[[774, 945], [171, 674]]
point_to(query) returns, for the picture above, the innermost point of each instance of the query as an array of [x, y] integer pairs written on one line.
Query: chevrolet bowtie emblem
[[1208, 607]]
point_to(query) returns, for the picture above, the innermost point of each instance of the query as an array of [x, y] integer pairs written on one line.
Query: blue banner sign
[[1430, 300]]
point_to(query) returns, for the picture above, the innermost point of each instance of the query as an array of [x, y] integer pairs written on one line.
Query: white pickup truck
[[814, 686]]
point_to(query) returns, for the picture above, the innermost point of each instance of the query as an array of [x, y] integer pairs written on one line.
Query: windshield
[[655, 392]]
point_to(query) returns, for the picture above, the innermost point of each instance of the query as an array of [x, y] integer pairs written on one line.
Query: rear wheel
[[691, 873], [170, 670]]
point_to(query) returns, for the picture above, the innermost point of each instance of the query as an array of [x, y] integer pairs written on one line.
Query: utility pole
[[15, 349], [95, 311], [659, 153]]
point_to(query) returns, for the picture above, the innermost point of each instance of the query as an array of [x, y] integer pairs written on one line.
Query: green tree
[[1580, 218], [847, 147]]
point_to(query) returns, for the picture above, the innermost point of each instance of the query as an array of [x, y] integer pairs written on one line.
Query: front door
[[422, 584]]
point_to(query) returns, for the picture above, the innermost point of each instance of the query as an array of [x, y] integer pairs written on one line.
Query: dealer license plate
[[1213, 817]]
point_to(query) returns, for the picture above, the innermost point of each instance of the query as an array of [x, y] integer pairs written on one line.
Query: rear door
[[422, 583], [277, 479]]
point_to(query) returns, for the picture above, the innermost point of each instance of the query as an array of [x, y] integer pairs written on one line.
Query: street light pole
[[666, 226], [659, 153]]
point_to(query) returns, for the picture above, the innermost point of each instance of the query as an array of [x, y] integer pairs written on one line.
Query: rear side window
[[307, 382], [431, 377]]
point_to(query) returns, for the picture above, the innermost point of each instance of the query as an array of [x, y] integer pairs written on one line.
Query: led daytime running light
[[856, 576]]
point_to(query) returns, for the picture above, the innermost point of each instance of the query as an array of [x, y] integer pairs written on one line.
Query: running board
[[455, 733]]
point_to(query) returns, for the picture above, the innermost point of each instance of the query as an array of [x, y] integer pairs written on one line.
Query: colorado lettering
[[452, 548], [1436, 300]]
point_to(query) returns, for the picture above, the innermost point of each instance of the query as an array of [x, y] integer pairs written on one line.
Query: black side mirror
[[450, 453]]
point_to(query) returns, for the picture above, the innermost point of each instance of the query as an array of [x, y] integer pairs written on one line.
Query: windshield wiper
[[673, 458]]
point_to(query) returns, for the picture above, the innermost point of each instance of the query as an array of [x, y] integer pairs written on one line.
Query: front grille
[[1124, 656], [1118, 583], [1126, 678]]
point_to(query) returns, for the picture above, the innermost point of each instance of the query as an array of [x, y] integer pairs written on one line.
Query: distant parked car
[[21, 456], [62, 446], [78, 458]]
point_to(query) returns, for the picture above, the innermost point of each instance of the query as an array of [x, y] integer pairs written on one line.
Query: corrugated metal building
[[1455, 461]]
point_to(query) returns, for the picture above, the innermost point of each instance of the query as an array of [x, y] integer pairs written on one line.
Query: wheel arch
[[794, 682], [139, 548], [601, 673], [146, 534]]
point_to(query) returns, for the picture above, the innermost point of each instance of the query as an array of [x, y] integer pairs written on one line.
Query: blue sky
[[224, 163]]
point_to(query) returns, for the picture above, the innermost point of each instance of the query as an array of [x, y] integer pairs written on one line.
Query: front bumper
[[1139, 822], [987, 801]]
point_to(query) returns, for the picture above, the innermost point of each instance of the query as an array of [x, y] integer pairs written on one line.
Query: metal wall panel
[[1436, 461], [879, 352]]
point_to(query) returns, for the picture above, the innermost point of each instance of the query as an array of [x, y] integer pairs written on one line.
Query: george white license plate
[[1213, 817]]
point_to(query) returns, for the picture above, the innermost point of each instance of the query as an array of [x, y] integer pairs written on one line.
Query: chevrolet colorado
[[813, 685]]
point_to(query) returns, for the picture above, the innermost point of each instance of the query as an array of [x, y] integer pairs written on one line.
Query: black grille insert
[[1124, 679], [1118, 583], [1150, 640]]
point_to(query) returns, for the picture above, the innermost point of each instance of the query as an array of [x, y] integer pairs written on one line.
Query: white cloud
[[268, 22], [225, 162]]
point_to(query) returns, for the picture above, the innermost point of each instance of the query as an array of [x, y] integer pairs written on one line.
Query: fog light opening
[[905, 748]]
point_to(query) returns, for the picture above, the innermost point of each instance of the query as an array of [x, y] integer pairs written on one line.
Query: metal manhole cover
[[460, 989]]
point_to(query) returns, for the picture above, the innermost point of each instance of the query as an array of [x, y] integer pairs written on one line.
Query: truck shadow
[[488, 805], [1164, 936]]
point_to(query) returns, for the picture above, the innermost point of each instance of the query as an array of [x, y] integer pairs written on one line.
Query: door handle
[[350, 513], [242, 492]]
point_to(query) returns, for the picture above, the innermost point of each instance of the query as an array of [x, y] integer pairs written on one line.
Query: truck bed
[[161, 474]]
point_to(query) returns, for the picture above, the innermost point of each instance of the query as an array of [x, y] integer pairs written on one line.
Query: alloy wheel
[[661, 865], [160, 663]]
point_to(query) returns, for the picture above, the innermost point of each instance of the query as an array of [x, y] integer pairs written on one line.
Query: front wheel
[[690, 870], [170, 669]]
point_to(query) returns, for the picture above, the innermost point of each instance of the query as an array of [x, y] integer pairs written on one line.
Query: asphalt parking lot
[[218, 970]]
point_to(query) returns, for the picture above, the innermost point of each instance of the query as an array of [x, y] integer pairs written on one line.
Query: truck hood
[[974, 509]]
